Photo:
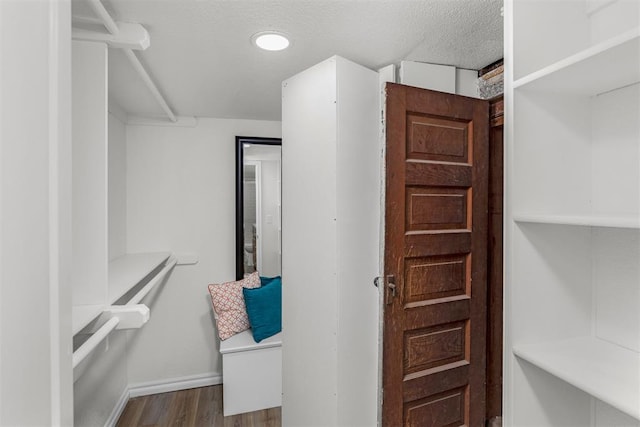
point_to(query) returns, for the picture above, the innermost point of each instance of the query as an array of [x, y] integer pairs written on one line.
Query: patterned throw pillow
[[228, 305]]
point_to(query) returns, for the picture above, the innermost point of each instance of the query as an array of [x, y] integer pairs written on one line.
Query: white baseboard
[[161, 386], [117, 410], [173, 384]]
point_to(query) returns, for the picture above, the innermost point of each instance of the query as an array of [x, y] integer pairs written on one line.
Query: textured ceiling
[[203, 61]]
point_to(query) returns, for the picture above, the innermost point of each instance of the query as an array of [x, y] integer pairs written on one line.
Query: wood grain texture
[[197, 407], [435, 250], [494, 261], [435, 277], [443, 410]]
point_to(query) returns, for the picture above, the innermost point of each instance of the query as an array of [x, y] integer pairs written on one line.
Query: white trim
[[162, 386], [118, 409], [129, 36], [173, 384]]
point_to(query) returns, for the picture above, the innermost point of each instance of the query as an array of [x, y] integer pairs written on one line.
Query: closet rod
[[104, 16], [89, 345], [153, 282], [137, 65], [112, 27]]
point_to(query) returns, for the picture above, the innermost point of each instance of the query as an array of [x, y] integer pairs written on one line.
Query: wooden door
[[435, 259]]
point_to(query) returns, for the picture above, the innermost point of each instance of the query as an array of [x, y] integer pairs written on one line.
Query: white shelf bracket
[[129, 36], [130, 316], [118, 317]]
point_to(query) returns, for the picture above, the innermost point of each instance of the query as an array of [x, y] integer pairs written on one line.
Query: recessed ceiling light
[[270, 40]]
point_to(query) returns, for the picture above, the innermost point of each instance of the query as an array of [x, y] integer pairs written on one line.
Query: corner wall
[[180, 198]]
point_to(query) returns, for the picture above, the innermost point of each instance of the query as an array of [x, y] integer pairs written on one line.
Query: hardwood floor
[[197, 407]]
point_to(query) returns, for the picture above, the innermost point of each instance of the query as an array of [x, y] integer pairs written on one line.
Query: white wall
[[180, 197], [35, 214], [467, 83], [90, 147], [443, 78], [117, 191]]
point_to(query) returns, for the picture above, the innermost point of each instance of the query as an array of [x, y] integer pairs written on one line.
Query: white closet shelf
[[606, 371], [618, 221], [128, 270], [606, 66], [82, 315]]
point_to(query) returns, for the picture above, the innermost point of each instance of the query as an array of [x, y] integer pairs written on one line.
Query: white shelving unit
[[621, 221], [574, 75], [331, 110], [572, 213], [125, 272], [604, 374], [97, 281]]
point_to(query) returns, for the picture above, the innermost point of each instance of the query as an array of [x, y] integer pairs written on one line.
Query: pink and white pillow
[[229, 307]]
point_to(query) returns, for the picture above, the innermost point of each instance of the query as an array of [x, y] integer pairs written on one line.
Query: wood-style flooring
[[196, 407]]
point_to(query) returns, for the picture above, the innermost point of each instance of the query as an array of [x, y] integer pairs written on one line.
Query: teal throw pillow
[[266, 280], [264, 307]]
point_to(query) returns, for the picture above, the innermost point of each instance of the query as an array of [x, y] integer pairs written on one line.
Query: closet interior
[[108, 283], [572, 223]]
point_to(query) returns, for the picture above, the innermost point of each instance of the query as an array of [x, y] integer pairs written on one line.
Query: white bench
[[251, 373]]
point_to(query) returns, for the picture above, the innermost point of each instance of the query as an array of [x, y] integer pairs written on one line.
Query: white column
[[35, 213]]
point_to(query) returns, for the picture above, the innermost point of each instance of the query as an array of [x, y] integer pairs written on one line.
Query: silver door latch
[[376, 281]]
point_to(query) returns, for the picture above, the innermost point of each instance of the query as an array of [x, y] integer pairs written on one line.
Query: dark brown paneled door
[[435, 259]]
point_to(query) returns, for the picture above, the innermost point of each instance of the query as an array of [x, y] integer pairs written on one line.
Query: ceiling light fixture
[[270, 40]]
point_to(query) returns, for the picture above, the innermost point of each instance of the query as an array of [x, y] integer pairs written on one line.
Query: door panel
[[435, 259]]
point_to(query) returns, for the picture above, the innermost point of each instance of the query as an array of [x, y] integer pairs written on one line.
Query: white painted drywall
[[35, 214], [467, 83], [614, 120], [443, 78], [330, 221], [180, 198], [428, 76], [90, 235], [117, 183]]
